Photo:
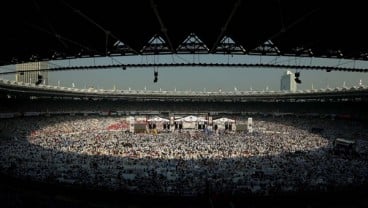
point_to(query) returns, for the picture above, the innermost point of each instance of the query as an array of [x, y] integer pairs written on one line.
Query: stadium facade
[[29, 72]]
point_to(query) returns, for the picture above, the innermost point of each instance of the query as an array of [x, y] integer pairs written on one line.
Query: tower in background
[[25, 72], [288, 82]]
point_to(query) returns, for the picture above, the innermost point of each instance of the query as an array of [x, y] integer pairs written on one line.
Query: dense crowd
[[281, 155], [68, 105]]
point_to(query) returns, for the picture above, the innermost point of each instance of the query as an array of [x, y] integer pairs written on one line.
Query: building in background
[[25, 72], [288, 82]]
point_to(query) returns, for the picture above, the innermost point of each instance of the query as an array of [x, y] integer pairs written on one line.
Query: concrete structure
[[25, 73], [287, 82]]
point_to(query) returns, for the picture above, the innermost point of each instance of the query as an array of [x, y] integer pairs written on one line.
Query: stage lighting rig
[[297, 80], [155, 74], [39, 79]]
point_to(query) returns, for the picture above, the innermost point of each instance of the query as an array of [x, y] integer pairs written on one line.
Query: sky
[[201, 78]]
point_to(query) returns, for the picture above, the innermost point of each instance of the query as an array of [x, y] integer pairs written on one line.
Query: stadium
[[86, 147], [95, 140]]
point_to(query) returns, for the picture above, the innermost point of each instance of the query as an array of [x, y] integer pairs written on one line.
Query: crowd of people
[[70, 105], [281, 155]]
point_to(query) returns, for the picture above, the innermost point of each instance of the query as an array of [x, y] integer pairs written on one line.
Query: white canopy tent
[[158, 123], [224, 124], [190, 122], [223, 121]]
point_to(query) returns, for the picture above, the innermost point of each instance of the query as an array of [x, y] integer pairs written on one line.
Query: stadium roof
[[42, 30]]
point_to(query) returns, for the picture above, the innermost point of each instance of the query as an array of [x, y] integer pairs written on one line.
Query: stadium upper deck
[[14, 89]]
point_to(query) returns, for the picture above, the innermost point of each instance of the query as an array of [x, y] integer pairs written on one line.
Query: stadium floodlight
[[14, 60], [80, 54], [33, 58], [310, 52], [340, 54]]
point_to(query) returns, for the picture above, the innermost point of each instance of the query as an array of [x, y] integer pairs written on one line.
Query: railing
[[50, 88]]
